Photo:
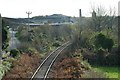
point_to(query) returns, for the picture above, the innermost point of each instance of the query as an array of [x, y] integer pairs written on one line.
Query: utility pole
[[28, 13], [0, 36]]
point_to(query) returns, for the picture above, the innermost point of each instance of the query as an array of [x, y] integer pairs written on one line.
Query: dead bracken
[[23, 67], [67, 68]]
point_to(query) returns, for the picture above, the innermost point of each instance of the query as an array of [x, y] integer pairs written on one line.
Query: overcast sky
[[18, 8]]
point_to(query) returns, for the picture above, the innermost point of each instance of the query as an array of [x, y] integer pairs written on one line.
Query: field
[[110, 72]]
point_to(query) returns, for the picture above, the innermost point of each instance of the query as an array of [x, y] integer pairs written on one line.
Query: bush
[[4, 35], [104, 42], [23, 47], [107, 44], [56, 44], [31, 51], [4, 67], [86, 65], [14, 53], [10, 59]]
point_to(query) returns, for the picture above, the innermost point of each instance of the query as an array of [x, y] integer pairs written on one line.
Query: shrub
[[4, 67], [107, 44], [10, 60], [24, 46], [31, 50], [86, 65], [104, 42], [14, 53], [56, 44], [4, 35], [100, 38]]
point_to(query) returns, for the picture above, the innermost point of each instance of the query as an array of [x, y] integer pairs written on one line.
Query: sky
[[18, 8]]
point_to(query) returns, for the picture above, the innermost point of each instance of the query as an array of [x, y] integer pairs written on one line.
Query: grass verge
[[110, 72]]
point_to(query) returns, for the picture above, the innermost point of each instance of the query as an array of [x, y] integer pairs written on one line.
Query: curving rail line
[[44, 68]]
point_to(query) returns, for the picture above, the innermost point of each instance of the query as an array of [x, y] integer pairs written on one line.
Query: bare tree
[[102, 19]]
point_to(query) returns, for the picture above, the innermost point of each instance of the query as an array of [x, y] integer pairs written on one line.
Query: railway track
[[44, 68]]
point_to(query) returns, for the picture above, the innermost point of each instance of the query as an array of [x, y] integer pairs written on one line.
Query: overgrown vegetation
[[23, 67], [101, 41], [96, 38], [35, 44], [5, 38], [4, 67], [43, 38], [72, 65], [14, 53]]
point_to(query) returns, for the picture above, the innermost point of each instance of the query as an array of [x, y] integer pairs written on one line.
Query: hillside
[[55, 18]]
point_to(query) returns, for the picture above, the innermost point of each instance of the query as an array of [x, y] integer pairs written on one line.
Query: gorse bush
[[108, 43], [56, 44], [104, 42], [14, 53]]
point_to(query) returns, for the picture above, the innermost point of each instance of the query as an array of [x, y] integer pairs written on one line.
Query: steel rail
[[51, 62]]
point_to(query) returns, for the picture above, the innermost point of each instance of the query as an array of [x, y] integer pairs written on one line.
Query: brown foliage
[[23, 67], [67, 68]]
